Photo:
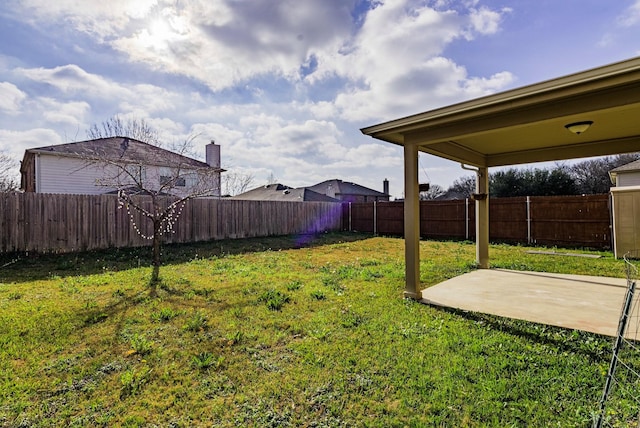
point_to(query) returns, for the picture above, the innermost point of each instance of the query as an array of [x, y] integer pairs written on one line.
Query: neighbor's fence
[[567, 221], [65, 223], [620, 402]]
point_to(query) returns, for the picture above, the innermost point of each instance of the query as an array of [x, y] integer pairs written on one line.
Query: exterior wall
[[626, 219], [631, 178], [68, 175], [58, 174]]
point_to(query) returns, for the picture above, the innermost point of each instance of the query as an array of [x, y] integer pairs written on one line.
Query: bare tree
[[464, 186], [272, 179], [115, 126], [235, 182], [434, 191], [154, 187], [592, 176], [8, 169]]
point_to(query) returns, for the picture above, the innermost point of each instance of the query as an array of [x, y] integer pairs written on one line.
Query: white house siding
[[58, 174], [62, 174], [628, 179]]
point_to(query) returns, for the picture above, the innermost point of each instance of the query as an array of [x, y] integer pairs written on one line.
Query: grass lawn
[[279, 332]]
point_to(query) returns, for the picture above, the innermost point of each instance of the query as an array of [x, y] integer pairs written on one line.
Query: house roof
[[631, 166], [120, 149], [527, 124], [339, 187], [280, 192]]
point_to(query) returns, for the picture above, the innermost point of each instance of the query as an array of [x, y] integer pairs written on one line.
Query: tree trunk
[[157, 246]]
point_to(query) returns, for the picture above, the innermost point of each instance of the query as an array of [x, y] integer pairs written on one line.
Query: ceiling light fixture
[[579, 127]]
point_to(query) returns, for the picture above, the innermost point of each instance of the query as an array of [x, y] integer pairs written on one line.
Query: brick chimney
[[385, 186]]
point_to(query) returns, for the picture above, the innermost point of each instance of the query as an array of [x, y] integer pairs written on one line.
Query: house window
[[177, 181]]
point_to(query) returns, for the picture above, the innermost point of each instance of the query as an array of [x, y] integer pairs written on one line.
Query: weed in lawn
[[164, 315], [274, 299], [197, 322], [318, 295], [132, 381], [206, 360], [140, 344], [235, 337], [294, 285], [333, 284]]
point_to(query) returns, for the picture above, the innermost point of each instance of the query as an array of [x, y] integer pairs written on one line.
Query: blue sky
[[285, 85]]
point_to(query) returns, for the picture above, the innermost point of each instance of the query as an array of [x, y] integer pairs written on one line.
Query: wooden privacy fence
[[566, 221], [66, 223]]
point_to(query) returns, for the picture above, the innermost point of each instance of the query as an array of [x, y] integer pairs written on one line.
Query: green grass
[[265, 332]]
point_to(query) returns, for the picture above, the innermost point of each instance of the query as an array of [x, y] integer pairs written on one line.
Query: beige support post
[[482, 218], [411, 224]]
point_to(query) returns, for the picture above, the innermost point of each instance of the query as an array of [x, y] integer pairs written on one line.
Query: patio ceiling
[[527, 124]]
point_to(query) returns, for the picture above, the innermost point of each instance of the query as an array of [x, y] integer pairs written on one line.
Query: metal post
[[375, 217], [528, 220]]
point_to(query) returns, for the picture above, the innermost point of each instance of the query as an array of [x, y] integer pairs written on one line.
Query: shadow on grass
[[15, 268], [595, 346]]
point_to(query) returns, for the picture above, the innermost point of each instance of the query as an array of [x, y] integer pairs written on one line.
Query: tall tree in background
[[434, 191], [592, 176], [531, 182], [115, 126], [464, 186], [236, 182], [8, 173]]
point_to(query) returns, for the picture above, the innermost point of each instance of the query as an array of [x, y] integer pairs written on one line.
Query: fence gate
[[620, 402]]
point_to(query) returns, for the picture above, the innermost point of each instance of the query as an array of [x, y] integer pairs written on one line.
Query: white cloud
[[11, 98], [485, 21], [16, 142], [72, 79], [631, 16], [72, 113]]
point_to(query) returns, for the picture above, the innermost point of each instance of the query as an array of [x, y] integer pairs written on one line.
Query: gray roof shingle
[[121, 149]]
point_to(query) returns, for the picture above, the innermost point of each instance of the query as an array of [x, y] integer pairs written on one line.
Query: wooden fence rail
[[65, 223], [567, 221]]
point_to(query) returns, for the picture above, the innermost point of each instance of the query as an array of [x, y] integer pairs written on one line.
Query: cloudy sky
[[285, 85]]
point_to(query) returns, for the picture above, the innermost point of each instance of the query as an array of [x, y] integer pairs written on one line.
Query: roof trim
[[593, 79]]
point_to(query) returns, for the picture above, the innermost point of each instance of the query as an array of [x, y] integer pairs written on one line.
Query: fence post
[[528, 220], [350, 225], [375, 217], [466, 219]]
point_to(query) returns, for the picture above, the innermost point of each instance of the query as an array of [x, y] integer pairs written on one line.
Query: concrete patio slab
[[588, 303]]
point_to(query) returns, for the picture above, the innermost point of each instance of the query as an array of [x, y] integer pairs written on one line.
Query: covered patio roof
[[522, 125], [527, 124]]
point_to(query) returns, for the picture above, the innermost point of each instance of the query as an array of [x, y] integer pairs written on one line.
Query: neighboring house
[[87, 167], [626, 175], [280, 192], [351, 192]]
